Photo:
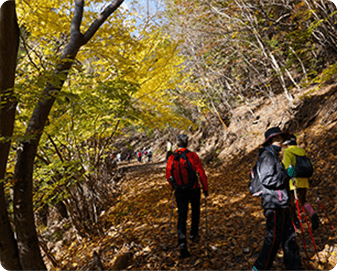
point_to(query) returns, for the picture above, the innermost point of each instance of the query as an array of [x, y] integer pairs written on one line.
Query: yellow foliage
[[149, 60]]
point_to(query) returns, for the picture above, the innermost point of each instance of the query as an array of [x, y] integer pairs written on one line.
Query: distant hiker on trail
[[139, 156], [128, 157], [119, 157], [149, 155], [275, 196], [302, 184], [144, 152], [181, 174], [169, 149]]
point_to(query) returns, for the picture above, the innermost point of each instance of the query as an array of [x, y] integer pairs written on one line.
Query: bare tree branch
[[101, 19], [77, 18]]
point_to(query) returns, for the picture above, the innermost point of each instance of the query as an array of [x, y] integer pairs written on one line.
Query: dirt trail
[[138, 223], [236, 225]]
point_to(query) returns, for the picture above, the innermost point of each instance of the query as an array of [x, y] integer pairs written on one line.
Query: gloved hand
[[291, 172], [206, 194]]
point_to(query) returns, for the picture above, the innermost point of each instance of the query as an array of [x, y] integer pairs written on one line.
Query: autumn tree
[[26, 241], [89, 81], [84, 124]]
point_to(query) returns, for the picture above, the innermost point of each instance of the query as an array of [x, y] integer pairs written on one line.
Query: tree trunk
[[9, 44], [29, 251]]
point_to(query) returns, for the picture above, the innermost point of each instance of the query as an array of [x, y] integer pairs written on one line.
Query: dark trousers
[[183, 198], [279, 231]]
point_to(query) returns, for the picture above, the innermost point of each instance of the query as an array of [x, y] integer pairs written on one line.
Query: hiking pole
[[294, 226], [300, 220], [309, 228], [168, 233], [206, 228], [320, 205], [312, 238]]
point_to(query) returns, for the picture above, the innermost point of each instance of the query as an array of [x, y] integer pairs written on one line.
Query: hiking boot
[[194, 238], [183, 251], [314, 221]]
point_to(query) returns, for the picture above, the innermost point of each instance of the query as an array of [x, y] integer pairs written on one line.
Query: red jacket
[[196, 165]]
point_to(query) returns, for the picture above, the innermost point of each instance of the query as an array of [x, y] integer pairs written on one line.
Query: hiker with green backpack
[[181, 173], [274, 198], [296, 161]]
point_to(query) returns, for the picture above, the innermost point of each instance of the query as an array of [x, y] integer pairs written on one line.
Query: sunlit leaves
[[119, 79]]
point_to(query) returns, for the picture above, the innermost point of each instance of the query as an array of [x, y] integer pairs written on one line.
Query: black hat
[[291, 140], [182, 141], [272, 132]]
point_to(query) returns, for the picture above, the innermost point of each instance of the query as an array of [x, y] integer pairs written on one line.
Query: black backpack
[[181, 161], [254, 185], [303, 167]]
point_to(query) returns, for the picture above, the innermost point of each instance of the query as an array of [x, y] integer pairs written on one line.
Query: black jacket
[[274, 180]]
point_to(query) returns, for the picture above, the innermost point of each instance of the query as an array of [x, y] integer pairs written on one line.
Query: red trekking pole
[[306, 219], [312, 238], [320, 205], [300, 220]]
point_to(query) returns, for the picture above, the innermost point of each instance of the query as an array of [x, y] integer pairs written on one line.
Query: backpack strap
[[277, 158], [176, 158], [191, 173]]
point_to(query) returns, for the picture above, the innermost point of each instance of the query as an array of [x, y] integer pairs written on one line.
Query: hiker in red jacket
[[139, 156], [181, 170]]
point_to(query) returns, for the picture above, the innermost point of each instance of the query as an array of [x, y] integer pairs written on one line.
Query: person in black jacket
[[274, 199]]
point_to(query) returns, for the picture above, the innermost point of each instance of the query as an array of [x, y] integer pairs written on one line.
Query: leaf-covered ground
[[136, 224], [139, 222]]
